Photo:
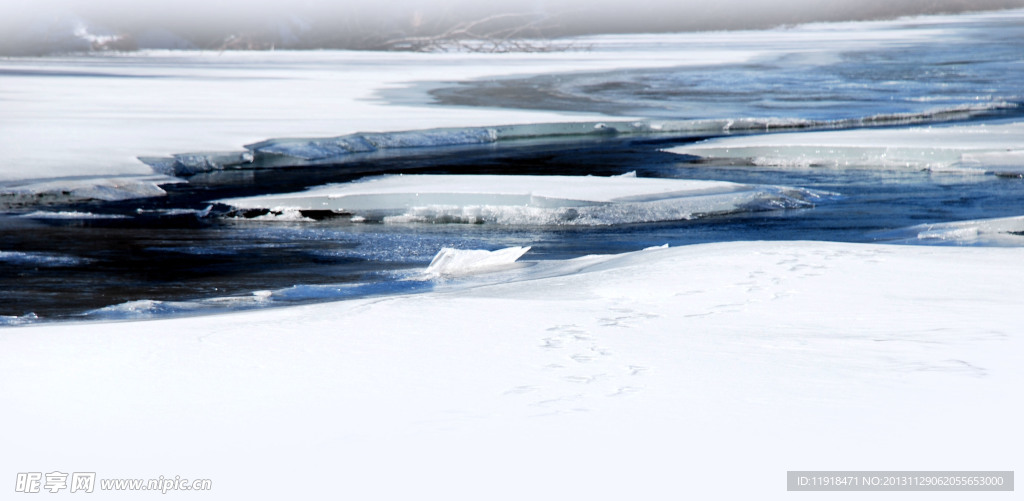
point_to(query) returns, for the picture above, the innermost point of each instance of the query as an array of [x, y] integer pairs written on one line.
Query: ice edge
[[298, 152]]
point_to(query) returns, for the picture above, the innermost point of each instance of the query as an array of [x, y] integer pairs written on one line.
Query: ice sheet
[[531, 200], [983, 148], [63, 191], [161, 103], [363, 146]]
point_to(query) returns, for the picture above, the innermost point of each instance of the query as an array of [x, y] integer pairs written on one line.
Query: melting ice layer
[[531, 200], [997, 149], [1004, 231]]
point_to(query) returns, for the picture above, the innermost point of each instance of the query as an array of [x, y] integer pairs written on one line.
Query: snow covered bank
[[533, 200], [659, 374], [995, 148]]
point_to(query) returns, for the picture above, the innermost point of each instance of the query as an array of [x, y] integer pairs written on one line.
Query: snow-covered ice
[[30, 193], [656, 374], [997, 148], [372, 146], [160, 103], [531, 200], [1004, 231]]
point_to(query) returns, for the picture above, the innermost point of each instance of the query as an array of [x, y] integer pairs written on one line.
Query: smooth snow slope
[[701, 372]]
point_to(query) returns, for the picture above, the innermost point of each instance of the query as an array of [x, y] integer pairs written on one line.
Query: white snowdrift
[[996, 148], [536, 200], [662, 374]]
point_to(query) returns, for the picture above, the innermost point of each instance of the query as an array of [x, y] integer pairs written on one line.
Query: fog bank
[[68, 25]]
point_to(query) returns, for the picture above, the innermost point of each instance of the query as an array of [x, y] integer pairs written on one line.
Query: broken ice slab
[[450, 262], [73, 190], [187, 164]]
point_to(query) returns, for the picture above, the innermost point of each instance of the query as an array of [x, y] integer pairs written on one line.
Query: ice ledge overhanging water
[[366, 146]]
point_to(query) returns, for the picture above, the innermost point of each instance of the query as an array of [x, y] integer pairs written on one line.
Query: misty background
[[54, 26]]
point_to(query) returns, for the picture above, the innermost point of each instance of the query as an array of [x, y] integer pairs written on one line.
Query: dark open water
[[57, 268]]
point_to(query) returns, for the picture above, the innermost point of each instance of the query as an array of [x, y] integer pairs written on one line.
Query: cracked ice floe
[[997, 149], [531, 200]]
